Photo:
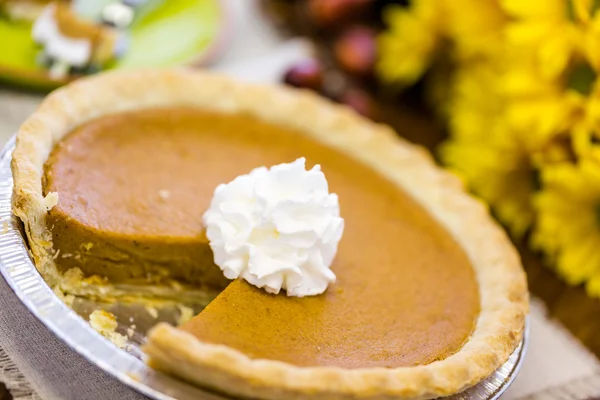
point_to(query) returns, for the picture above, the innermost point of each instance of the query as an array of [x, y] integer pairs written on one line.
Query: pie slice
[[113, 173]]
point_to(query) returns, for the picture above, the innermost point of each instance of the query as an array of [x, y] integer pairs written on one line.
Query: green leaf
[[581, 79]]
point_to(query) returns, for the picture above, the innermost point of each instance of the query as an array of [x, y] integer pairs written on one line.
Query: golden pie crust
[[501, 280]]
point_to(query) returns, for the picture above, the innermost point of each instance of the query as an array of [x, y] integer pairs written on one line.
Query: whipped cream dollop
[[277, 228]]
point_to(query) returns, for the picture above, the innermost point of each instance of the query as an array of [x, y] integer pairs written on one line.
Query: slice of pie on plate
[[113, 174]]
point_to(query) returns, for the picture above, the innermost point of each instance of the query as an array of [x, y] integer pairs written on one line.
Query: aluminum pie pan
[[128, 366]]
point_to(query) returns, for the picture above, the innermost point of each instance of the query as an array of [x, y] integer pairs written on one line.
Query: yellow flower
[[546, 29], [501, 176], [593, 286], [482, 150], [498, 161], [543, 108], [583, 10], [475, 104], [591, 42], [406, 49], [500, 172], [557, 150], [585, 134], [567, 226], [586, 143], [548, 82], [474, 28], [415, 34], [521, 98]]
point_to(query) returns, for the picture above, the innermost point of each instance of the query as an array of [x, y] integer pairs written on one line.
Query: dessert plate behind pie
[[163, 34]]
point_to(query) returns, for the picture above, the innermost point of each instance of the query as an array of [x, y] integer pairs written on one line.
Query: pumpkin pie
[[113, 173]]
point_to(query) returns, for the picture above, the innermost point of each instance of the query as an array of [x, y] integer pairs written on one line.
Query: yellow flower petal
[[501, 176], [593, 285], [567, 226], [535, 8], [407, 47]]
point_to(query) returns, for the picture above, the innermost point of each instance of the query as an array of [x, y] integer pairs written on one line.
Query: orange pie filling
[[133, 187]]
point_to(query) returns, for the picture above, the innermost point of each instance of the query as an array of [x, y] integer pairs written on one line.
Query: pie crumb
[[152, 311], [105, 323], [50, 200], [164, 194], [176, 285], [4, 226], [185, 314]]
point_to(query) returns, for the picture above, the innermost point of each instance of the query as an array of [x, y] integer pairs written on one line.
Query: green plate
[[164, 33]]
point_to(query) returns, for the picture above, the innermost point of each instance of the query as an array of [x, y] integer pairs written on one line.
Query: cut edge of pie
[[501, 280]]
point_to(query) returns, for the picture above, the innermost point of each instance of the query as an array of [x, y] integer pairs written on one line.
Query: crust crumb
[[4, 227], [164, 194], [50, 200], [176, 285], [152, 311], [185, 314], [105, 324]]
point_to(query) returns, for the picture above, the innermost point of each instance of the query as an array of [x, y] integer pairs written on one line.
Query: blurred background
[[503, 92]]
